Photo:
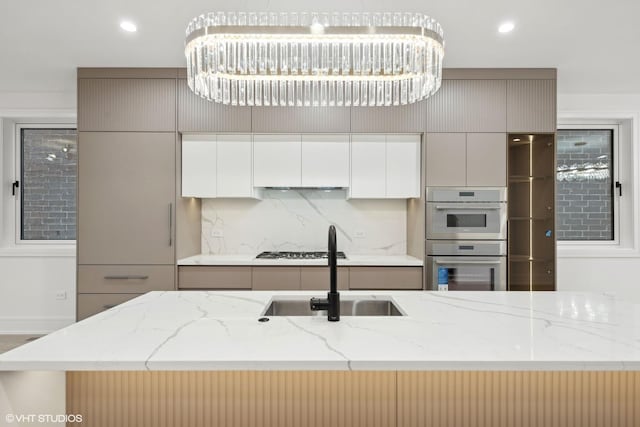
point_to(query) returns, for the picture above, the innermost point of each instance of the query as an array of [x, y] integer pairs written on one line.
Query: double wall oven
[[466, 235]]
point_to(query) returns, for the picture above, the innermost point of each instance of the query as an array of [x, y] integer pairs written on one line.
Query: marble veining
[[207, 330], [297, 220]]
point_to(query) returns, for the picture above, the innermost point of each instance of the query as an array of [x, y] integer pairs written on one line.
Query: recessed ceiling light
[[506, 27], [128, 26]]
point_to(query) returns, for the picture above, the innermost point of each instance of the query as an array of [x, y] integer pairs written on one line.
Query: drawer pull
[[130, 277], [108, 306]]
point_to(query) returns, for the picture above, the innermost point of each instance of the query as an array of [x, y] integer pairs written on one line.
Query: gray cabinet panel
[[137, 105], [531, 106], [276, 278], [196, 114], [446, 159], [403, 118], [317, 278], [468, 106], [125, 279], [300, 119], [214, 277], [487, 159], [385, 277], [126, 195]]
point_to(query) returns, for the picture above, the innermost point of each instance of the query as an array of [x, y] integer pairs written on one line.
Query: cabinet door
[[403, 166], [214, 277], [126, 192], [234, 174], [90, 304], [317, 278], [276, 160], [276, 278], [199, 166], [486, 159], [325, 160], [385, 277], [531, 106], [125, 279], [446, 160], [368, 166]]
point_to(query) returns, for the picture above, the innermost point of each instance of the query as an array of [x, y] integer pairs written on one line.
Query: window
[[587, 208], [47, 170]]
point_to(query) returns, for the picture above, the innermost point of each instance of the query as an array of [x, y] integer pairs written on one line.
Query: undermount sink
[[348, 307]]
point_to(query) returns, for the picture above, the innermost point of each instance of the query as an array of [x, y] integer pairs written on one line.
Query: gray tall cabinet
[[126, 185]]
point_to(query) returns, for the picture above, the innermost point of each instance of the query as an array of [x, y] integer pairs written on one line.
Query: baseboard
[[33, 325]]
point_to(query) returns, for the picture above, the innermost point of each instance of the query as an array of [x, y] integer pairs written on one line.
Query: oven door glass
[[466, 221], [471, 273]]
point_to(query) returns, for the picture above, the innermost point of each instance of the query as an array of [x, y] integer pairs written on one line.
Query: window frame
[[17, 150], [628, 173], [615, 176]]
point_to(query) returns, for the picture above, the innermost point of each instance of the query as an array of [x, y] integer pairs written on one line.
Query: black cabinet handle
[[619, 187], [14, 186]]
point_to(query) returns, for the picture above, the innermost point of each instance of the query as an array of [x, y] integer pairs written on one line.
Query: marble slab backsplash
[[298, 220]]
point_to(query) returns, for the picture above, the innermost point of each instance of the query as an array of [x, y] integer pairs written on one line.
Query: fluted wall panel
[[468, 106], [127, 105], [196, 114], [519, 399], [531, 106], [403, 118], [233, 399], [300, 119]]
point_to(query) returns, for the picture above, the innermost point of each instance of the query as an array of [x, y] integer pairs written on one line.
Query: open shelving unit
[[531, 213]]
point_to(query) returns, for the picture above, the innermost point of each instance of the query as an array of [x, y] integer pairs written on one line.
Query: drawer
[[317, 278], [276, 278], [214, 277], [385, 278], [125, 279], [90, 304]]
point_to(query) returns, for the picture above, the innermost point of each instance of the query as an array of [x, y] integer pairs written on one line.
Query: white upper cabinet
[[403, 166], [277, 160], [368, 166], [199, 166], [372, 166], [385, 166], [325, 160], [217, 166], [234, 172]]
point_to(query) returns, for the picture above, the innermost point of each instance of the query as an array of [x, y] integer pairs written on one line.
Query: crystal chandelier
[[314, 59]]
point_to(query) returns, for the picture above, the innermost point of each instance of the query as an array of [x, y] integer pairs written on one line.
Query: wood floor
[[9, 342]]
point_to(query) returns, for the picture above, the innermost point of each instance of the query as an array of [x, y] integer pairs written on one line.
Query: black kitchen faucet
[[332, 302]]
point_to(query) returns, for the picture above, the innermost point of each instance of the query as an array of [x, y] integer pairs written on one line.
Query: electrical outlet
[[217, 233], [360, 234], [61, 295]]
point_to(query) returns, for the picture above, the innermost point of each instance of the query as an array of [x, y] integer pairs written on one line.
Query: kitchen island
[[450, 359]]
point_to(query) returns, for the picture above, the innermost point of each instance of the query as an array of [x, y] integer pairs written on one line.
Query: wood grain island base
[[355, 398]]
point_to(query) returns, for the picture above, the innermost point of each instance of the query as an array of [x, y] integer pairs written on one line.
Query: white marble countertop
[[352, 260], [197, 330]]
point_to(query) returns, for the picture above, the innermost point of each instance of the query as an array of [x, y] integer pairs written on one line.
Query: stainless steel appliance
[[466, 213], [299, 255], [472, 265]]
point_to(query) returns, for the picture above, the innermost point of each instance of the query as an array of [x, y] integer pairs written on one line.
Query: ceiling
[[594, 44]]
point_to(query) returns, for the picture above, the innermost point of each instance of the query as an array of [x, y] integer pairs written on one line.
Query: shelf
[[525, 179], [530, 218], [525, 258]]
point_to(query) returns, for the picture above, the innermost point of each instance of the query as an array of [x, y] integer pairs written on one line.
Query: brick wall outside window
[[584, 207], [48, 184]]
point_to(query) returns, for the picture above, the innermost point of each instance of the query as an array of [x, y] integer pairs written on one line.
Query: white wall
[[614, 270], [298, 220], [30, 276]]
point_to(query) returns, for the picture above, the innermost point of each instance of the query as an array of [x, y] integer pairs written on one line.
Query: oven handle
[[469, 206], [437, 261]]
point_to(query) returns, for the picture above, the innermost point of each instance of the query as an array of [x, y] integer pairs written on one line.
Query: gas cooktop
[[298, 255]]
